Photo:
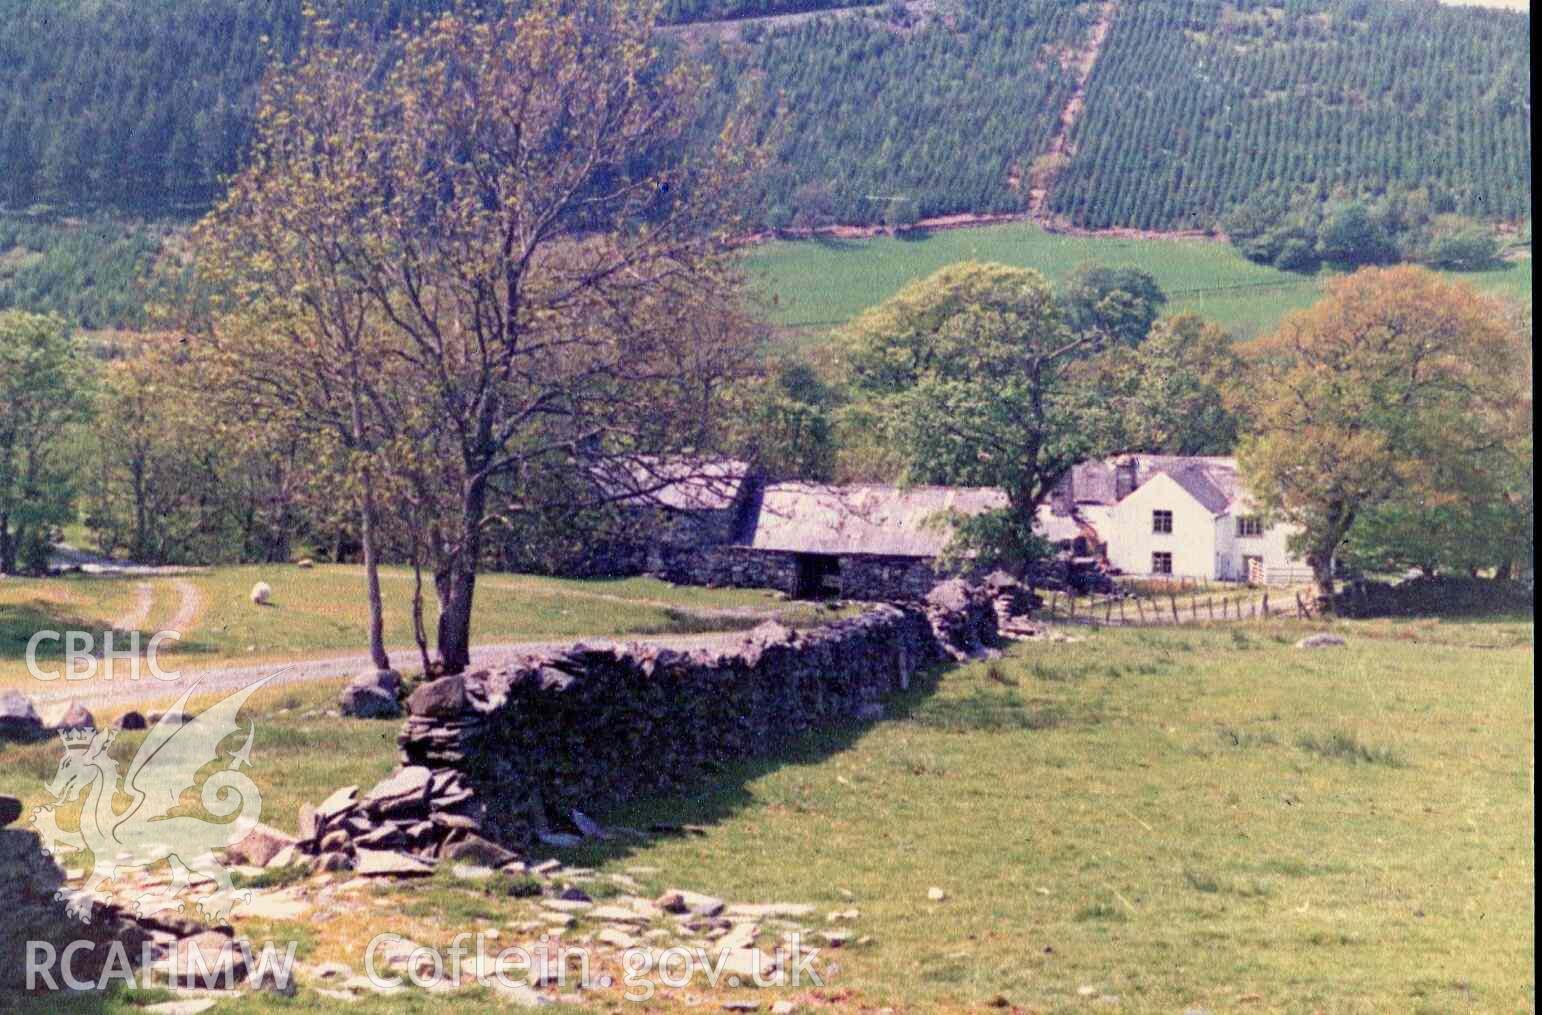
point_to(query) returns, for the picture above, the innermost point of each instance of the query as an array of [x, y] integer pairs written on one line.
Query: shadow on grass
[[724, 787], [22, 621]]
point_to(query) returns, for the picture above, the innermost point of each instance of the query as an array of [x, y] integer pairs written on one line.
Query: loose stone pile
[[33, 896]]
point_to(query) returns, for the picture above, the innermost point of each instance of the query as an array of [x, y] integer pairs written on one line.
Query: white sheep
[[261, 593]]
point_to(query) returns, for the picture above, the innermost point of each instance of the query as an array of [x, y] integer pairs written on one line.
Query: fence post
[[1072, 600], [1266, 603], [1174, 601], [1140, 610], [1108, 611], [1210, 602], [1054, 596], [1300, 608], [1121, 612]]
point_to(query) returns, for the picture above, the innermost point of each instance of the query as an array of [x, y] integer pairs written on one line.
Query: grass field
[[320, 611], [818, 284], [1197, 818]]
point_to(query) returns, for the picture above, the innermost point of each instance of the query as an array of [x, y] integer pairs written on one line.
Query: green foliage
[[968, 375], [1350, 236], [705, 10], [1195, 105], [91, 272], [1485, 519], [1167, 394], [944, 115], [784, 421], [1391, 391], [44, 393], [1461, 245], [1120, 303]]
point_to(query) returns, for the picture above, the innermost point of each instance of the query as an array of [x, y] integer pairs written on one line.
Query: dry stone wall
[[499, 756]]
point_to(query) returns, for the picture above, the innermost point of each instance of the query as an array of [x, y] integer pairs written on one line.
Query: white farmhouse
[[1170, 515]]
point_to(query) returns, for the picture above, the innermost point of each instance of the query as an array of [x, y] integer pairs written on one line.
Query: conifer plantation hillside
[[1156, 115]]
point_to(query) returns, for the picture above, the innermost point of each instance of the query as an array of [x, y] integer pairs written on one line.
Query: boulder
[[444, 698], [677, 900], [18, 719], [305, 564], [259, 846], [332, 860], [1320, 641], [404, 790], [130, 721], [372, 695], [261, 593], [210, 959], [385, 863], [335, 806], [476, 850]]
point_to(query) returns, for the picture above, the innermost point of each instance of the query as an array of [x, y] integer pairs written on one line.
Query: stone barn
[[813, 540]]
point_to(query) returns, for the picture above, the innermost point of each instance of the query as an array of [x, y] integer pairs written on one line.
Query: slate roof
[[678, 483], [1210, 479], [864, 519]]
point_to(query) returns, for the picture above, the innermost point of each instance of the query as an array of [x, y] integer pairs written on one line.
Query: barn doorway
[[819, 576]]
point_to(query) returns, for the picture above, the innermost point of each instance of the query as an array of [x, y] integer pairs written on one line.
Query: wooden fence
[[1200, 606]]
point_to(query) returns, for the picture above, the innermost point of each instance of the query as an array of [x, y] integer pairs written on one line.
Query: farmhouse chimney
[[1064, 498], [1126, 476]]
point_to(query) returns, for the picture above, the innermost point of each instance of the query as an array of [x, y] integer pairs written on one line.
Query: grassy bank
[[1196, 818], [819, 284]]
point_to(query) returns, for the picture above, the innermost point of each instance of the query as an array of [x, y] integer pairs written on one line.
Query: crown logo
[[81, 738]]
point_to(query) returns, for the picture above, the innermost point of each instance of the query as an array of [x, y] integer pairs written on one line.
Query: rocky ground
[[562, 934]]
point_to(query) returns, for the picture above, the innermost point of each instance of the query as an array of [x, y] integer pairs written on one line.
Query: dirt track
[[123, 693]]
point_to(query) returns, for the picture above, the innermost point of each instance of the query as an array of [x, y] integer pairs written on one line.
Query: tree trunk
[[141, 520], [458, 588], [1322, 579], [7, 546], [419, 633], [377, 651]]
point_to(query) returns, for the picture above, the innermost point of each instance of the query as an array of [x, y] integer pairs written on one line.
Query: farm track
[[126, 693], [189, 608], [138, 611]]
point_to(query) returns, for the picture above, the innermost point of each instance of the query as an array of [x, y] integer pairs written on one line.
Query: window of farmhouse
[[1161, 521], [1250, 525], [1161, 563]]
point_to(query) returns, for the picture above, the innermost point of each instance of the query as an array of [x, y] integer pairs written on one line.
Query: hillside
[[1160, 115], [898, 111], [820, 284]]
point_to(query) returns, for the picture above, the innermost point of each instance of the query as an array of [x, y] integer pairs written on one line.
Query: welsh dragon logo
[[146, 830]]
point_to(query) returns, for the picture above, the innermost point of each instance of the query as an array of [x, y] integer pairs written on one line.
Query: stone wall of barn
[[863, 577], [502, 755]]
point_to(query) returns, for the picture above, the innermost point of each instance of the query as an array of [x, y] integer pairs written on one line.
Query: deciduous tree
[[1385, 391], [970, 375], [44, 392], [536, 278]]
